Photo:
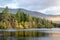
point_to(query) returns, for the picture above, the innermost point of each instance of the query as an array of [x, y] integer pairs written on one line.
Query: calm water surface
[[41, 34]]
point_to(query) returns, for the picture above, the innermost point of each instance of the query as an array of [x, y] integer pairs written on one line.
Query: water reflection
[[54, 35], [28, 35]]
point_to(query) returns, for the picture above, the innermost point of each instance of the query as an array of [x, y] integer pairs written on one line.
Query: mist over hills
[[54, 18]]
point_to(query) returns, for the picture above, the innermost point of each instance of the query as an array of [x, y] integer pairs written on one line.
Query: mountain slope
[[33, 13], [54, 18]]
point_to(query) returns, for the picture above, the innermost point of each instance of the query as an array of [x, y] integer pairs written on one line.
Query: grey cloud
[[32, 4], [35, 5]]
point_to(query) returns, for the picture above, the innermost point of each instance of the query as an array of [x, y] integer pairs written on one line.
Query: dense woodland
[[22, 20]]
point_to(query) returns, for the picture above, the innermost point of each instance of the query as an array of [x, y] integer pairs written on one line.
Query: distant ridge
[[54, 18]]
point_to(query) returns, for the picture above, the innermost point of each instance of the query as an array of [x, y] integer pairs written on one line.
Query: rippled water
[[40, 34]]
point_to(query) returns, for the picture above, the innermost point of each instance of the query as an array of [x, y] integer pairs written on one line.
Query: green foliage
[[23, 20], [6, 10], [5, 15], [20, 16]]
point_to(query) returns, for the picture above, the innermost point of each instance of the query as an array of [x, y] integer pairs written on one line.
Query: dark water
[[30, 35]]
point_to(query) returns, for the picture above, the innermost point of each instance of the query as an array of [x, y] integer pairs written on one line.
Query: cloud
[[45, 6], [11, 6], [51, 10]]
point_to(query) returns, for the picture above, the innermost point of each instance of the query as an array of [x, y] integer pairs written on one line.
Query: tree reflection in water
[[20, 34], [27, 35]]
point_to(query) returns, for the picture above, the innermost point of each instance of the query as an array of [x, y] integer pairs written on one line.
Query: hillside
[[20, 19], [33, 13], [54, 18]]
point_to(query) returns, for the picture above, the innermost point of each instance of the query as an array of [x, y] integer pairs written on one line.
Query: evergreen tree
[[6, 15], [23, 20]]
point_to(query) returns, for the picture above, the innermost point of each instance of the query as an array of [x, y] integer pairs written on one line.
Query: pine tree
[[6, 15]]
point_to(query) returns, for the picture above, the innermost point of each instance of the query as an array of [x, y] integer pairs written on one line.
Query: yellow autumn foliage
[[20, 25], [26, 25]]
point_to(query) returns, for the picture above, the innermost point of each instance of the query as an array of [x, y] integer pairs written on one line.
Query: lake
[[30, 34]]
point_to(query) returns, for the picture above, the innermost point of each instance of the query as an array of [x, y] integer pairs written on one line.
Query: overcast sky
[[44, 6]]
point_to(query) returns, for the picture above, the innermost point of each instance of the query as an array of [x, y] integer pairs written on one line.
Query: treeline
[[21, 20]]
